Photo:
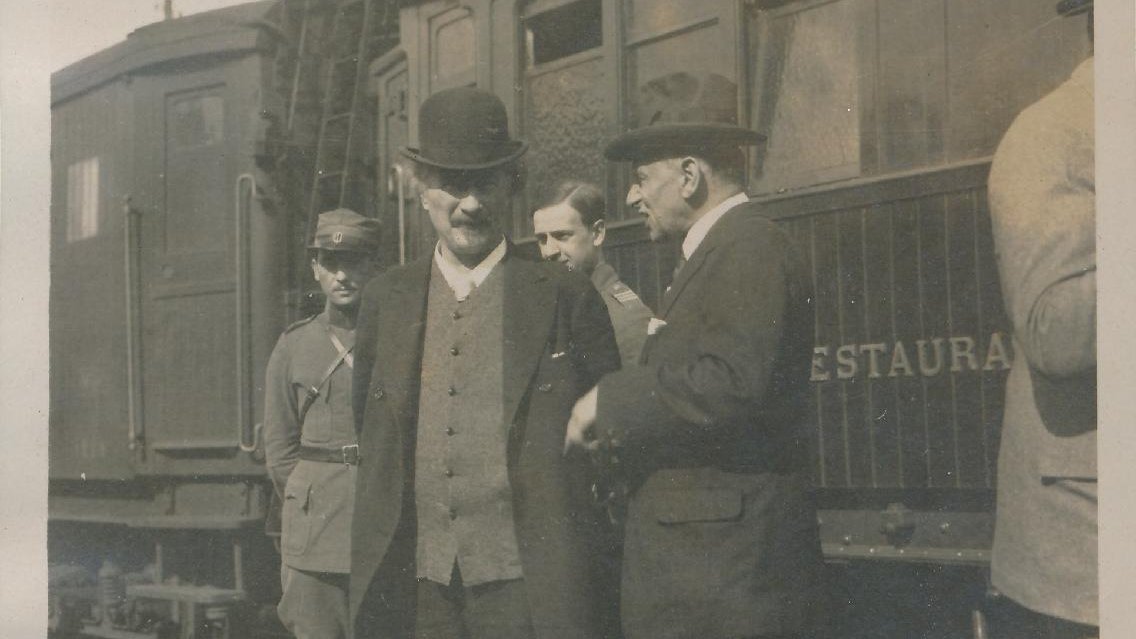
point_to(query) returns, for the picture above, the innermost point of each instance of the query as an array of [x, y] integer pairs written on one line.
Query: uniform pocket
[[699, 505], [296, 524]]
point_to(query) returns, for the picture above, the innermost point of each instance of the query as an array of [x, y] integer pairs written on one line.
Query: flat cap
[[346, 230]]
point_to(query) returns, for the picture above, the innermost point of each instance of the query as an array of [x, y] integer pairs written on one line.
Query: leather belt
[[348, 455]]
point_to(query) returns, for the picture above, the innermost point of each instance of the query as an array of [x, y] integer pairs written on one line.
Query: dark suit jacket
[[558, 342], [721, 535]]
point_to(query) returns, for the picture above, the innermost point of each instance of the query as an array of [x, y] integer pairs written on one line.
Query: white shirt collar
[[461, 279], [698, 231]]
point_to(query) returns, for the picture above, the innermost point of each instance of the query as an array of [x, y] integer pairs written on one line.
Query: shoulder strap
[[314, 391]]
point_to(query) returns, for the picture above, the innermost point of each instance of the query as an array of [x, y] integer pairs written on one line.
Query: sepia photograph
[[565, 319]]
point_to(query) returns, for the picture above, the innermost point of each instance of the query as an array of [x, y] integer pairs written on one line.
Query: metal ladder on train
[[335, 171]]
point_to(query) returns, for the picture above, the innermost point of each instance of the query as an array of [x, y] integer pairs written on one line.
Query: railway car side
[[168, 293], [188, 163]]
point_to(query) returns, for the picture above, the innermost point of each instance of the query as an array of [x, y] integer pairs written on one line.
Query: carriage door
[[398, 205], [185, 153]]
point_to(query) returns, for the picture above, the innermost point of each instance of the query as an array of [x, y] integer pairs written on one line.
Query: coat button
[[454, 351], [545, 387], [449, 472], [450, 431], [456, 315], [451, 391], [377, 393]]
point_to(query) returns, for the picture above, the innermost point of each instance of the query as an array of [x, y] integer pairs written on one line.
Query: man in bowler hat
[[721, 536], [309, 435], [469, 522]]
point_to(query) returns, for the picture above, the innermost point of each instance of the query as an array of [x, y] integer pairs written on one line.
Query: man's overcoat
[[558, 342], [1043, 213], [721, 537]]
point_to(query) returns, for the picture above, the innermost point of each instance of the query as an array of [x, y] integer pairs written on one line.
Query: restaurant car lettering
[[914, 358]]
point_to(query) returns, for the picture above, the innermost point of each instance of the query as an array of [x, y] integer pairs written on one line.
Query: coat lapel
[[404, 329], [529, 307], [693, 265]]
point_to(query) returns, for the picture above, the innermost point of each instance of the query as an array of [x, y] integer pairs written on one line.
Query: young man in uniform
[[469, 521], [570, 229], [721, 538], [309, 434]]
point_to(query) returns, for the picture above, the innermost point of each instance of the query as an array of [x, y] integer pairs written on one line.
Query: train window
[[563, 31], [808, 97], [567, 104], [708, 49], [455, 50], [83, 199], [195, 182], [849, 88], [197, 121]]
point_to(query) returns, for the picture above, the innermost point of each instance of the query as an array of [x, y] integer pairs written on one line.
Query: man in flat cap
[[309, 435], [721, 536], [1043, 213], [469, 521]]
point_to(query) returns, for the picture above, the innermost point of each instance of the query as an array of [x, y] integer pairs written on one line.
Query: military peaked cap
[[345, 230]]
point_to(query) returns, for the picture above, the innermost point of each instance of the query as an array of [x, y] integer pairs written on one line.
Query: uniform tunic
[[629, 315], [318, 496]]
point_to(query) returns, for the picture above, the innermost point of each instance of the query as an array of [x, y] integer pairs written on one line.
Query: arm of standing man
[[281, 418], [1042, 205], [726, 372]]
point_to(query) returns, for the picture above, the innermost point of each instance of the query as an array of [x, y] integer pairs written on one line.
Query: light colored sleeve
[[1042, 207]]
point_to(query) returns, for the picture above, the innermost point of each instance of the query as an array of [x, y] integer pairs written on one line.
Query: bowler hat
[[345, 230], [683, 112], [464, 129], [1073, 7]]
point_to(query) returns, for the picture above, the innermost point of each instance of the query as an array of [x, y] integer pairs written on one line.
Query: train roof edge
[[225, 30]]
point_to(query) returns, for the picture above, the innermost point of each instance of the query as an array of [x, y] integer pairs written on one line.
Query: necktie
[[678, 267]]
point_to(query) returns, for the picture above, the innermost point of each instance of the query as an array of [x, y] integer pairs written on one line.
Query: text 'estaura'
[[926, 357]]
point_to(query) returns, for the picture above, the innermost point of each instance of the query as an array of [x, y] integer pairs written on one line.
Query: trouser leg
[[314, 604], [496, 610]]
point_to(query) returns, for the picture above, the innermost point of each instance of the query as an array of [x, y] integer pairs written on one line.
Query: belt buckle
[[350, 454]]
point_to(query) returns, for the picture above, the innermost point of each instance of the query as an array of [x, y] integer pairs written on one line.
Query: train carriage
[[189, 161]]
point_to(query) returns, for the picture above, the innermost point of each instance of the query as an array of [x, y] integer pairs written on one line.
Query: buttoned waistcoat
[[558, 341]]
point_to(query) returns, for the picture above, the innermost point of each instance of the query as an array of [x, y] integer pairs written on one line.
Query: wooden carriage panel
[[911, 350]]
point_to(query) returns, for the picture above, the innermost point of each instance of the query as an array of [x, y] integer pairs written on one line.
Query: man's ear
[[599, 232], [693, 178]]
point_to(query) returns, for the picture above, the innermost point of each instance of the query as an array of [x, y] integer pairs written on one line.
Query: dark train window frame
[[211, 96], [550, 30]]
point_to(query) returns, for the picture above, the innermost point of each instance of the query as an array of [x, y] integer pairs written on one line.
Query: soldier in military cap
[[309, 435], [570, 228]]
